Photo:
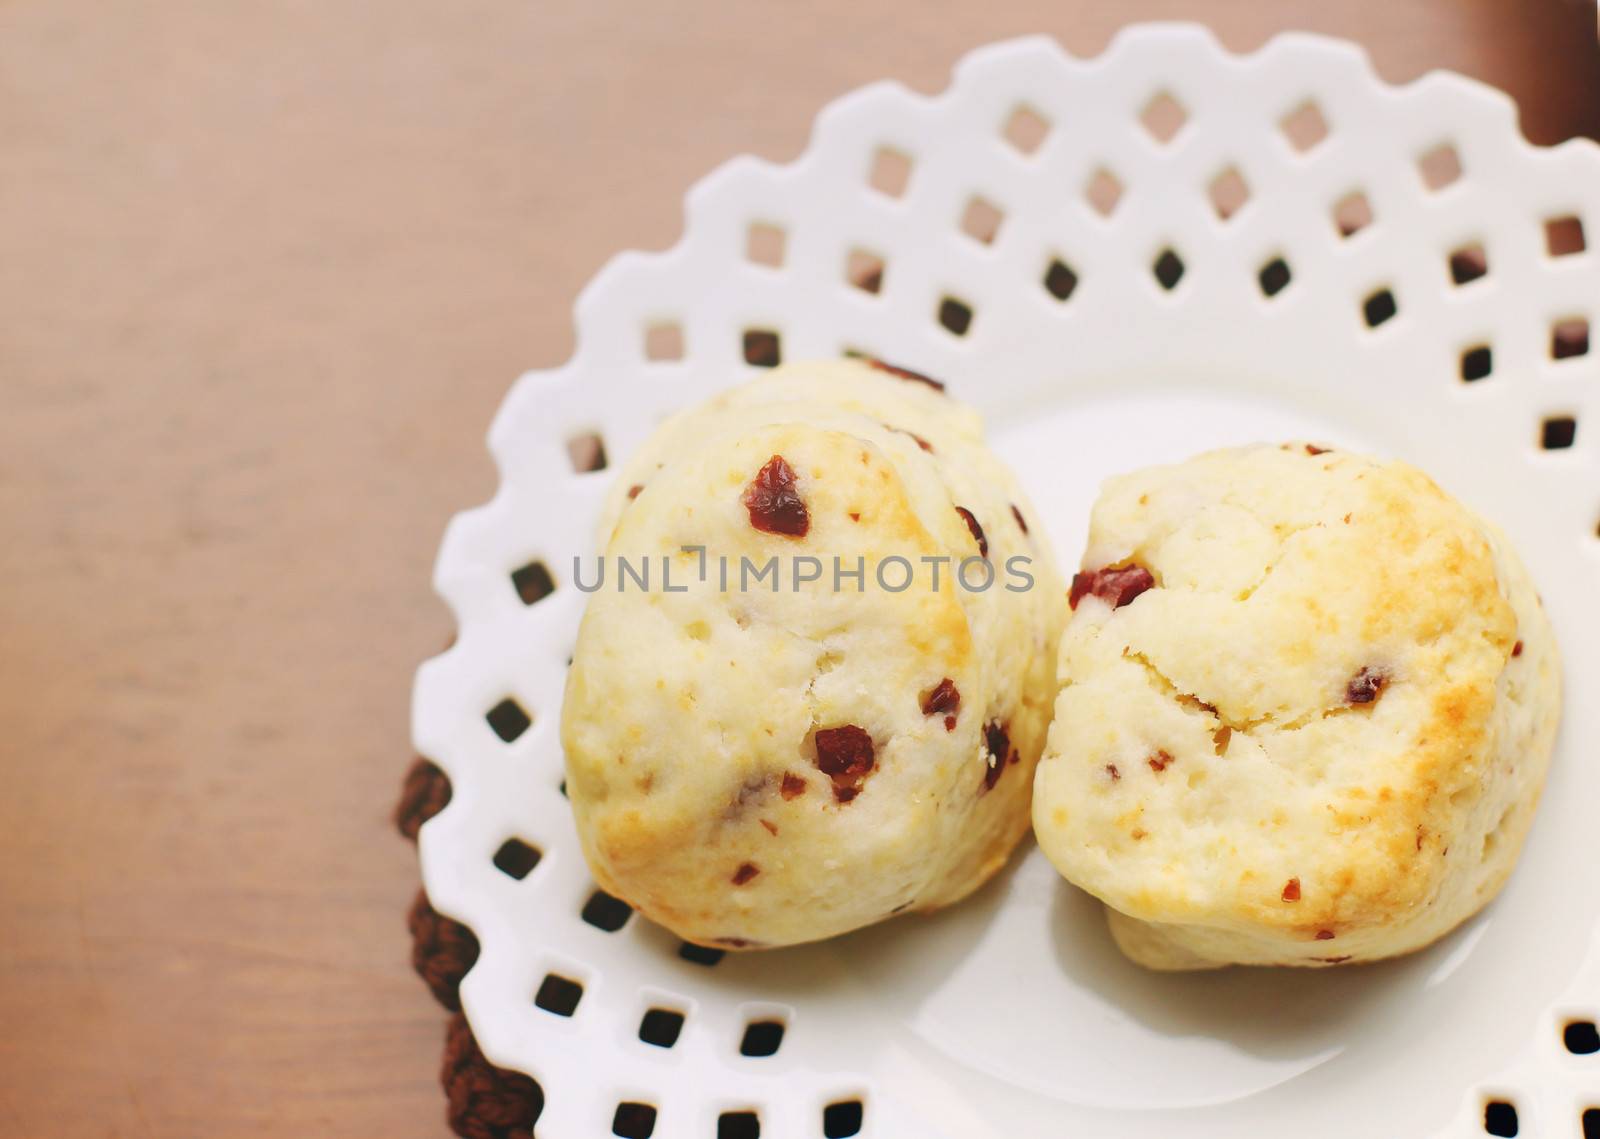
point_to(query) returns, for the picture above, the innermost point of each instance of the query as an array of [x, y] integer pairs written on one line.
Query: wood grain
[[265, 272]]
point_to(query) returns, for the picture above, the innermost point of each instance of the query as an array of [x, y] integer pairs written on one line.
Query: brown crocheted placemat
[[485, 1102]]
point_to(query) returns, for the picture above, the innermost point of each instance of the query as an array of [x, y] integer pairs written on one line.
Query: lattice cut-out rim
[[873, 258]]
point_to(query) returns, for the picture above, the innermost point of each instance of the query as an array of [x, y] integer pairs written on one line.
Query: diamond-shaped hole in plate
[[1469, 263], [1168, 269], [1060, 281], [508, 719], [605, 912], [700, 954], [587, 452], [955, 315], [1590, 1122], [663, 343], [763, 347], [1274, 277], [843, 1119], [1228, 192], [1440, 167], [1305, 127], [981, 220], [1379, 307], [864, 271], [890, 172], [634, 1121], [765, 244], [761, 1038], [1352, 213], [1581, 1037], [1103, 192], [1500, 1118], [1025, 129], [1563, 236], [738, 1125], [533, 582], [1477, 363], [559, 995], [660, 1027], [1569, 338], [1163, 117], [516, 859], [1558, 432]]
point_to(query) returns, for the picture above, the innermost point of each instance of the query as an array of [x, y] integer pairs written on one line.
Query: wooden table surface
[[264, 276]]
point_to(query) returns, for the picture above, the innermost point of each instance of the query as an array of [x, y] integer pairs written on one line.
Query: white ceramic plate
[[1013, 1015]]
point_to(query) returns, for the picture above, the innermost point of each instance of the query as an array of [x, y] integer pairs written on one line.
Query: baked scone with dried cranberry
[[757, 761], [1307, 705]]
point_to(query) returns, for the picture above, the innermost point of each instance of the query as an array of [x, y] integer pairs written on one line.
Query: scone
[[1307, 705], [830, 710]]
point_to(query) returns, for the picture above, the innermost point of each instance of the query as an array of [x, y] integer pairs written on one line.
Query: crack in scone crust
[[1203, 707]]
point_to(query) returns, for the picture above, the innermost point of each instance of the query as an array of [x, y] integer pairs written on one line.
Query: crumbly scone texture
[[1319, 735], [704, 728]]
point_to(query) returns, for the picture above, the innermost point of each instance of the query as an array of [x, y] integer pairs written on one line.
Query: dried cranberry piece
[[793, 786], [998, 743], [1111, 770], [746, 871], [1516, 649], [633, 491], [1313, 449], [944, 697], [977, 531], [1291, 890], [905, 373], [845, 750], [1017, 514], [1365, 686], [845, 755], [1159, 761], [1115, 585], [774, 504], [1324, 935]]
